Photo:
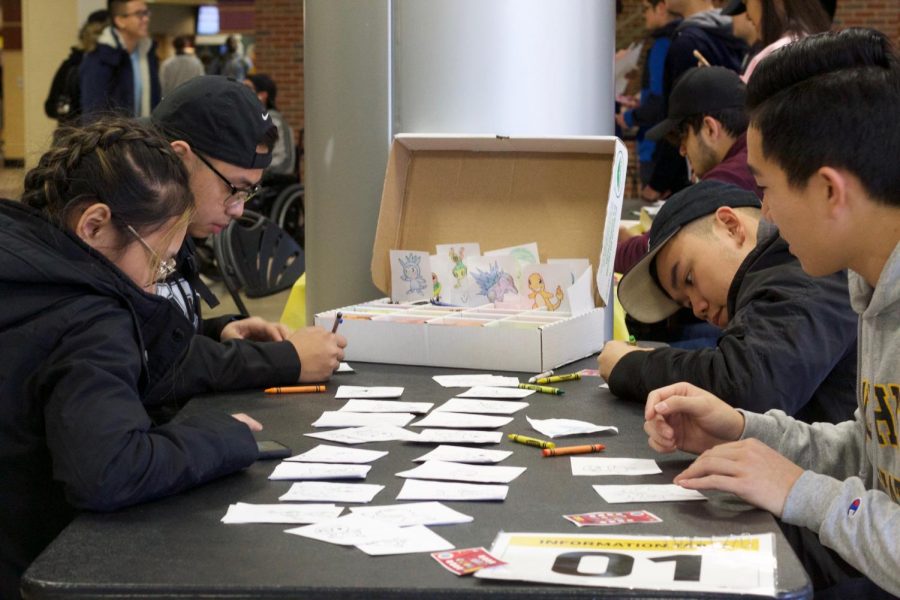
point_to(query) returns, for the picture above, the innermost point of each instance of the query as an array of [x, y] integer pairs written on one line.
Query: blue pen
[[338, 319]]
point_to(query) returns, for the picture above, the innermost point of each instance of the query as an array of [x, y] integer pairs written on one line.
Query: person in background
[[779, 22], [706, 31], [649, 108], [224, 137], [232, 63], [121, 75], [284, 153], [100, 219], [710, 251], [708, 123], [63, 102], [184, 65], [823, 143]]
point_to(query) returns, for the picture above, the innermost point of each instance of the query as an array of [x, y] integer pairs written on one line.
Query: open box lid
[[564, 193]]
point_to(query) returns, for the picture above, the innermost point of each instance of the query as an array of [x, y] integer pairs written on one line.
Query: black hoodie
[[80, 346]]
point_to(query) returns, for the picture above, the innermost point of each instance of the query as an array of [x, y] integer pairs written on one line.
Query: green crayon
[[558, 378], [544, 389], [530, 441]]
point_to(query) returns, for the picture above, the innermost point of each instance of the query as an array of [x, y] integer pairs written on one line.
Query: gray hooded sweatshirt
[[850, 491]]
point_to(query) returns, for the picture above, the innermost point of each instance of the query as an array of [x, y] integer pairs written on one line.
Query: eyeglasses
[[140, 14], [237, 195], [165, 268]]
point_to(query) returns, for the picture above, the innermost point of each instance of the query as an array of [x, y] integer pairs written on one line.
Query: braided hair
[[120, 162]]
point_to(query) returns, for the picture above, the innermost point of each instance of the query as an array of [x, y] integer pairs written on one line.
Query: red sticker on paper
[[467, 560]]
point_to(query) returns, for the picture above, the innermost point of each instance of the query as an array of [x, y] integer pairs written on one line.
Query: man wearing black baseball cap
[[225, 136], [788, 340], [707, 121]]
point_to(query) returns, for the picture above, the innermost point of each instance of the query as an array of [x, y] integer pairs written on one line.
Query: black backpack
[[63, 103]]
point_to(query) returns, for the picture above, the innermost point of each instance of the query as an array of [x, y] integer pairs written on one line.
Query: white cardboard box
[[563, 193]]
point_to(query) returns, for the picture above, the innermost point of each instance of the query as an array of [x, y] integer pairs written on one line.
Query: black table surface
[[177, 546]]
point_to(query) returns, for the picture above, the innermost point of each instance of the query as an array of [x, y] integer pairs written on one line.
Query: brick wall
[[279, 53]]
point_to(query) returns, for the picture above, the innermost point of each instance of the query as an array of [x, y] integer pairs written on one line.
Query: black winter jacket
[[107, 79], [209, 363], [790, 343], [80, 346]]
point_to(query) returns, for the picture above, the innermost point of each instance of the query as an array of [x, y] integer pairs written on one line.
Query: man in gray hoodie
[[823, 143]]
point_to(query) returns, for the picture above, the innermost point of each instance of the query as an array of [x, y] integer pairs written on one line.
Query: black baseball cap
[[219, 117], [700, 91], [639, 291], [735, 7]]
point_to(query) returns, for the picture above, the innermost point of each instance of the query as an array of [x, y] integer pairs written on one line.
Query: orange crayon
[[564, 450], [295, 389]]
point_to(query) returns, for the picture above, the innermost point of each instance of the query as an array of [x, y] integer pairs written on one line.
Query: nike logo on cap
[[265, 116]]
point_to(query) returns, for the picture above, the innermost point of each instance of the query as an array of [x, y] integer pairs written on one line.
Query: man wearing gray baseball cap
[[788, 340], [225, 136]]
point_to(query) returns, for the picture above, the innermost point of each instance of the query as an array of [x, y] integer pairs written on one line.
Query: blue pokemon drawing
[[495, 283], [412, 273]]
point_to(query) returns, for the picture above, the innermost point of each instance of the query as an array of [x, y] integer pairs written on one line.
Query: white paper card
[[590, 466], [727, 565], [459, 436], [451, 471], [340, 418], [416, 489], [545, 286], [465, 455], [560, 427], [358, 391], [301, 470], [663, 492], [476, 380], [524, 254], [386, 406], [408, 540], [410, 276], [483, 391], [361, 435], [345, 368], [494, 407], [461, 421], [413, 513], [347, 530], [496, 279], [580, 293], [324, 453], [323, 491], [280, 513]]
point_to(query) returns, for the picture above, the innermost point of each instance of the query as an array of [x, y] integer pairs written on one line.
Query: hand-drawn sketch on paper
[[539, 294], [412, 273], [495, 283]]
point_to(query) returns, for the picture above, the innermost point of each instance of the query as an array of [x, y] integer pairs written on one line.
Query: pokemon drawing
[[495, 284], [459, 268], [540, 295], [436, 288], [412, 273]]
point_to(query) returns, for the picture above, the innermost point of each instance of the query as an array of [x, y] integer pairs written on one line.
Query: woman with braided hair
[[83, 342]]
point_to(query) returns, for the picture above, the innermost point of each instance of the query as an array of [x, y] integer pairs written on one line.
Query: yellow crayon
[[557, 378], [544, 389], [530, 441]]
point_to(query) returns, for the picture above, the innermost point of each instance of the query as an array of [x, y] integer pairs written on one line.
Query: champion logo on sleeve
[[854, 506]]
